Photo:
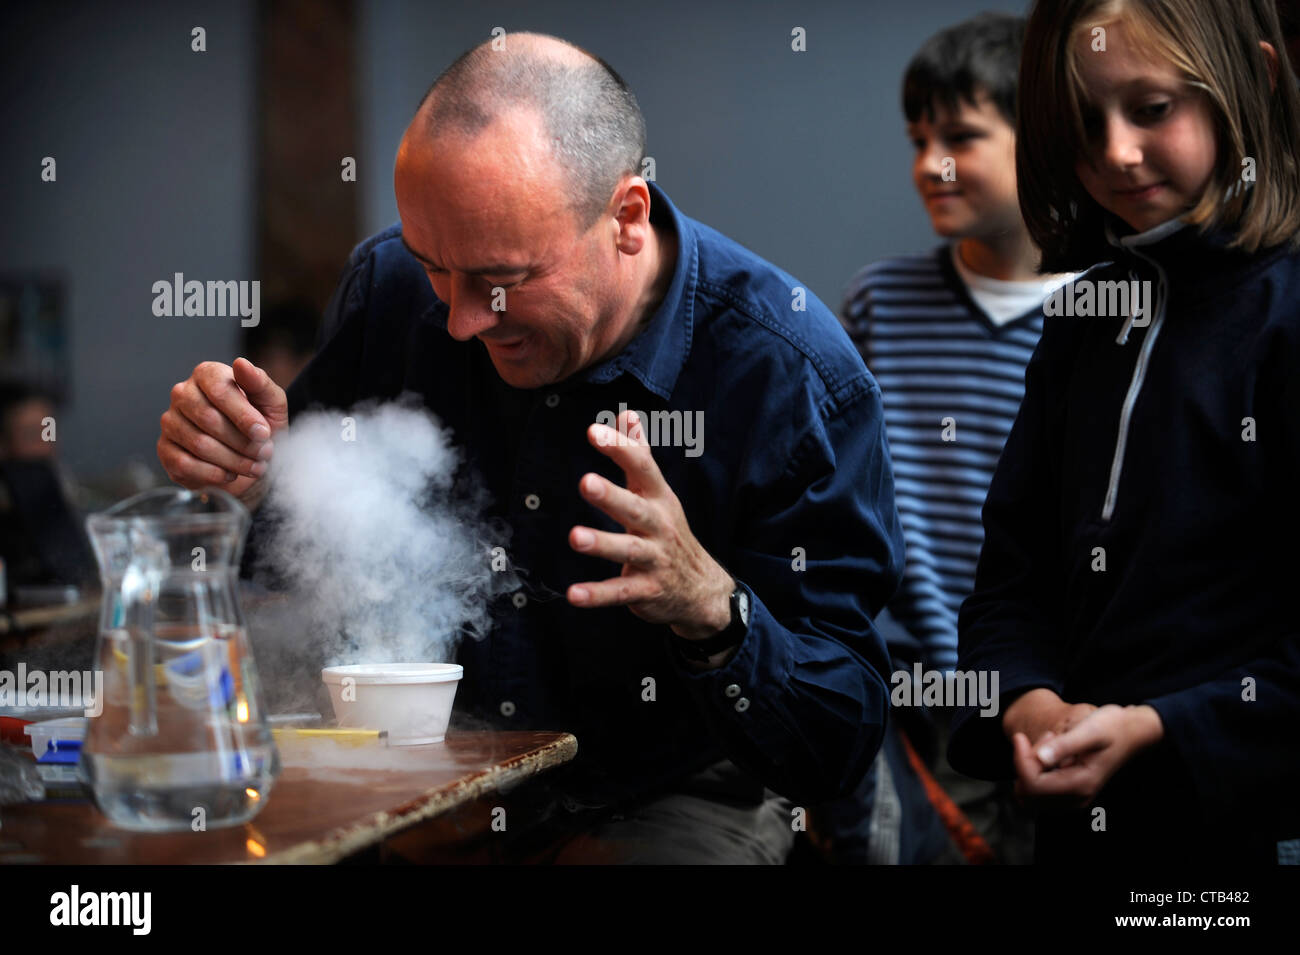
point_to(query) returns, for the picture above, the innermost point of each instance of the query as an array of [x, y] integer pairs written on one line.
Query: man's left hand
[[668, 577]]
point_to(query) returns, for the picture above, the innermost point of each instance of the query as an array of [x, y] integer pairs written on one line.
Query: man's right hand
[[219, 426]]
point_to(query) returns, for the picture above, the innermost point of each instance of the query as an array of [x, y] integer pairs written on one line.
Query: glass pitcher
[[182, 741]]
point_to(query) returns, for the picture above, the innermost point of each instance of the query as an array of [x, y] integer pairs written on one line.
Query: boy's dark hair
[[981, 54], [1215, 45]]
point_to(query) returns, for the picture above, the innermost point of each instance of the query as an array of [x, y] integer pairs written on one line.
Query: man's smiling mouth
[[506, 347]]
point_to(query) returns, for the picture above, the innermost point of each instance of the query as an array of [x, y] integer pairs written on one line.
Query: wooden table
[[330, 801]]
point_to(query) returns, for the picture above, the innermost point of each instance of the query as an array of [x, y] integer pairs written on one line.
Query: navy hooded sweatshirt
[[1142, 535]]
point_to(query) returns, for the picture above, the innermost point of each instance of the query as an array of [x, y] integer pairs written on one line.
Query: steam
[[385, 560]]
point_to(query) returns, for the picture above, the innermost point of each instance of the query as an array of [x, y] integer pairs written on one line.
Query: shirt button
[[732, 691], [519, 600], [742, 704], [507, 708], [552, 400], [532, 502]]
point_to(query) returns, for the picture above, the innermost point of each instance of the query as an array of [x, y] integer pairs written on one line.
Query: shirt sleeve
[[1010, 623], [802, 702], [1235, 736]]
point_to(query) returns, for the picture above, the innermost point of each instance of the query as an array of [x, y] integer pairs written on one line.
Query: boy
[[947, 335]]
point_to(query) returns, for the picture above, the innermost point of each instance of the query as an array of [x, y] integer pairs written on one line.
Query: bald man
[[699, 586]]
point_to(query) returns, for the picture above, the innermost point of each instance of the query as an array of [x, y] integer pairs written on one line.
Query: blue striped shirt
[[952, 380]]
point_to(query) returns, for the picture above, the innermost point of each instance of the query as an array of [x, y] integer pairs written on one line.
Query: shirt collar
[[1194, 258], [657, 354], [1149, 237]]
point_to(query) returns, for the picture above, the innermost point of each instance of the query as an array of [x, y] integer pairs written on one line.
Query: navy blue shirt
[[791, 491]]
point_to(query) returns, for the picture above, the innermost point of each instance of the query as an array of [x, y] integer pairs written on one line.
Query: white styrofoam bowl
[[411, 701]]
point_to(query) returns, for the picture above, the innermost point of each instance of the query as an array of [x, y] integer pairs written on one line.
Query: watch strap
[[732, 635]]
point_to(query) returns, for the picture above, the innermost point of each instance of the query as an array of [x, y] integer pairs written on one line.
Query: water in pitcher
[[207, 763], [182, 742]]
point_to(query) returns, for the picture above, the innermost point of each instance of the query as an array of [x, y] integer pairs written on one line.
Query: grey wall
[[799, 156], [154, 146]]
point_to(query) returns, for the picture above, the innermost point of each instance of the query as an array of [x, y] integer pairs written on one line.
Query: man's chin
[[523, 376]]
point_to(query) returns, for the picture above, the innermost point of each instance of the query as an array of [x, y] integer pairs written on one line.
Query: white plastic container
[[411, 701], [70, 728]]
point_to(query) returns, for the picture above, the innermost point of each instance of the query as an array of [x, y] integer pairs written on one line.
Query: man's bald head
[[588, 113]]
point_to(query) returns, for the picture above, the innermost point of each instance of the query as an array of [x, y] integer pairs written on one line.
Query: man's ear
[[631, 205], [1272, 63]]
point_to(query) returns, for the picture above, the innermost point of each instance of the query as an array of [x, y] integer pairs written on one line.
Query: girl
[[1134, 588]]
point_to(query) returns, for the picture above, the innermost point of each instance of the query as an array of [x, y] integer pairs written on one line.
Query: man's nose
[[470, 309]]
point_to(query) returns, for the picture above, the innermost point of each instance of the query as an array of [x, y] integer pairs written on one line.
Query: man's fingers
[[620, 548], [618, 591], [628, 449], [263, 393], [631, 510], [193, 404], [206, 448], [217, 382], [187, 470], [211, 435]]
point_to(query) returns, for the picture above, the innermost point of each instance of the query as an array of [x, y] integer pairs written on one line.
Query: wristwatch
[[732, 635]]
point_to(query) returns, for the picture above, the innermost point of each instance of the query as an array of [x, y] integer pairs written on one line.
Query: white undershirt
[[1002, 300]]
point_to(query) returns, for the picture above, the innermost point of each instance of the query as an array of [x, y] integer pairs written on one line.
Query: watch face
[[742, 602]]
